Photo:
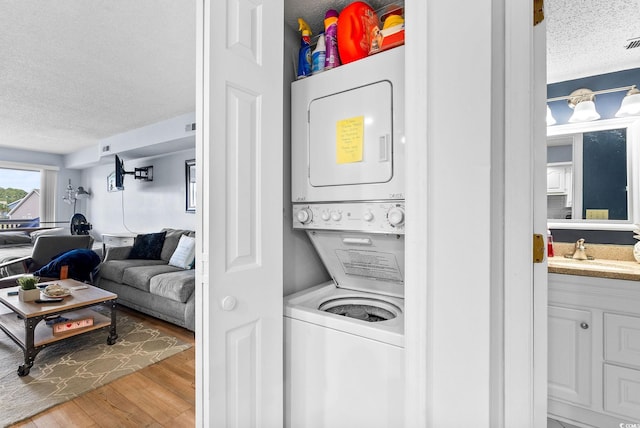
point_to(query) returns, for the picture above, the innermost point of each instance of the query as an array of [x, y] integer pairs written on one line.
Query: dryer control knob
[[395, 216], [305, 216], [368, 216], [325, 216], [336, 216]]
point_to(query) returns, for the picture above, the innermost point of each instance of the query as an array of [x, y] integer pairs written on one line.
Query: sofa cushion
[[176, 286], [14, 238], [185, 253], [113, 270], [58, 231], [148, 246], [140, 276], [171, 240], [117, 253]]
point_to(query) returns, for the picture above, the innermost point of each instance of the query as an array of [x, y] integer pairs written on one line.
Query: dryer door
[[351, 136]]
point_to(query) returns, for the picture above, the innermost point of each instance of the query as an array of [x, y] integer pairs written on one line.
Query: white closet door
[[239, 164]]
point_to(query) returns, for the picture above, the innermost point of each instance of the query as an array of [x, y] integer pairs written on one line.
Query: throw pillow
[[148, 246], [185, 253]]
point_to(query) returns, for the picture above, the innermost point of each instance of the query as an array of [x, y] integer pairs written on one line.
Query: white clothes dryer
[[347, 132]]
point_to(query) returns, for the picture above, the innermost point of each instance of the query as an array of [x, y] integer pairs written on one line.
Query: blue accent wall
[[606, 104]]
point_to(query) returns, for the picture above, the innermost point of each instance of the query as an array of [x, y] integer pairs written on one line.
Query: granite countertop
[[610, 261]]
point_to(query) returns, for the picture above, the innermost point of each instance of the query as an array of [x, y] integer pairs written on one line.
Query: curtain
[[48, 195]]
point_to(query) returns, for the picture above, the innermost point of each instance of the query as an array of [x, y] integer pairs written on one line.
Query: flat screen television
[[120, 173]]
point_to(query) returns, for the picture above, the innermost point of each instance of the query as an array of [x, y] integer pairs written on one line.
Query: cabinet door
[[622, 391], [556, 180], [569, 365], [622, 339]]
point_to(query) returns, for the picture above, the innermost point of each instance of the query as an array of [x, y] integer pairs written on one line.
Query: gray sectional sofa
[[152, 286]]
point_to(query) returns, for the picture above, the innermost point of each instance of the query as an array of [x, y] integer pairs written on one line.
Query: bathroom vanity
[[594, 342]]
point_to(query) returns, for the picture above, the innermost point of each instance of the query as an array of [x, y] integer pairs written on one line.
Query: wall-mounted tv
[[119, 172], [144, 174]]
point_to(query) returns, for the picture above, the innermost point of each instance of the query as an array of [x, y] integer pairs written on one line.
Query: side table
[[116, 240]]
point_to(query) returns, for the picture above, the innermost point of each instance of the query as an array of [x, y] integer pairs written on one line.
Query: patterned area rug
[[70, 368]]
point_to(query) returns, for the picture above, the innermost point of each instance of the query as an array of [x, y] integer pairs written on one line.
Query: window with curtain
[[27, 195]]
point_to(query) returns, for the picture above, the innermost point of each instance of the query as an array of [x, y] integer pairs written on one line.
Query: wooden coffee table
[[21, 320]]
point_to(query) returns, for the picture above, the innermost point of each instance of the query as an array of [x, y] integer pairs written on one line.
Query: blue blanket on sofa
[[81, 264]]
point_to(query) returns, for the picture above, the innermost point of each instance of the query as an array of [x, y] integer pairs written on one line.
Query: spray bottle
[[304, 55], [331, 39], [318, 56]]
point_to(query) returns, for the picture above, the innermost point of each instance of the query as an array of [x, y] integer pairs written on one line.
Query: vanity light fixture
[[81, 193], [630, 103], [583, 102], [584, 109]]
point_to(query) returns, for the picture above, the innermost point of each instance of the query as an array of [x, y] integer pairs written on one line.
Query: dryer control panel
[[372, 217]]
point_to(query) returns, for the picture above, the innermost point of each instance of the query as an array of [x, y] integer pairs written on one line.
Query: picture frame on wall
[[111, 182], [190, 185]]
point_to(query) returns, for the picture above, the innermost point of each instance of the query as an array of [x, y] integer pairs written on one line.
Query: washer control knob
[[395, 216], [336, 215], [305, 216], [368, 216], [325, 216]]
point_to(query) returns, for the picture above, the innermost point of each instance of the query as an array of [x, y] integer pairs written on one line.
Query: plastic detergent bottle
[[332, 59], [318, 56], [304, 55]]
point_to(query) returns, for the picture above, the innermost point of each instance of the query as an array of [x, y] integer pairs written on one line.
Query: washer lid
[[362, 261]]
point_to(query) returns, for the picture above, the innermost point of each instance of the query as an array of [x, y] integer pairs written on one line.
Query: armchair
[[45, 249]]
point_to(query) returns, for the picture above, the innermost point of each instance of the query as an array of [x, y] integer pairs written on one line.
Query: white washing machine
[[344, 339]]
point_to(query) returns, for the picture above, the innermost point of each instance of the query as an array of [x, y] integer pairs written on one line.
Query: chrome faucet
[[580, 253]]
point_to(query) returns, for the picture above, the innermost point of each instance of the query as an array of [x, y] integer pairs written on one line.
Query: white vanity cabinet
[[594, 350], [559, 179], [569, 354]]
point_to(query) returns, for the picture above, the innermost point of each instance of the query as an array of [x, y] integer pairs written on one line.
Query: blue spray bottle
[[304, 55]]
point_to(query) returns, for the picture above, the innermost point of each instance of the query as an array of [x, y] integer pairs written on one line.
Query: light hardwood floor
[[160, 395]]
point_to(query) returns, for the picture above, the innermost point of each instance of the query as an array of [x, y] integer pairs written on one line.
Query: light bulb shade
[[584, 111], [630, 106], [550, 119], [81, 193]]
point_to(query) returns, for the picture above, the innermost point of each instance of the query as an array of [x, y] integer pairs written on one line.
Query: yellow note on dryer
[[349, 140]]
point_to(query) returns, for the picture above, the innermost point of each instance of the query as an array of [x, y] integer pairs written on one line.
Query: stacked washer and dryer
[[344, 339]]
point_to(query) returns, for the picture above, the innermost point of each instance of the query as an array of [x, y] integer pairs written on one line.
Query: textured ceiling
[[587, 37], [76, 71]]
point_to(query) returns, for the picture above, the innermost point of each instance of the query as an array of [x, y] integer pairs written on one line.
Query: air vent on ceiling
[[633, 43]]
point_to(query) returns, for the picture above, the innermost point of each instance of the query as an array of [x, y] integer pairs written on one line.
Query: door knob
[[228, 303], [584, 325]]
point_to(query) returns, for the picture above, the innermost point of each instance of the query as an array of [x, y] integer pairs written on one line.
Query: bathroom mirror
[[592, 175]]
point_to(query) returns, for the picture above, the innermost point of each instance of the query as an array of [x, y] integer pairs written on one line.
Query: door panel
[[239, 160]]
